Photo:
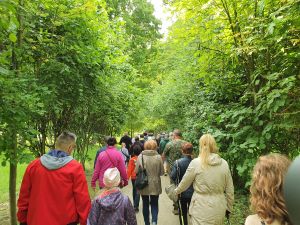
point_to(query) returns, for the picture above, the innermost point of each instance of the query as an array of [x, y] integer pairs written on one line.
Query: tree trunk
[[12, 181], [13, 135]]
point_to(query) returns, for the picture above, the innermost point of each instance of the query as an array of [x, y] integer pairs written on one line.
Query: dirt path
[[165, 215]]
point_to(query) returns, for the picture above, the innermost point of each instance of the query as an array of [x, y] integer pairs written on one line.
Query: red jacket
[[53, 197], [131, 167]]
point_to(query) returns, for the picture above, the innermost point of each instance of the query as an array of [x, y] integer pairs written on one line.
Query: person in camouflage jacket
[[172, 151]]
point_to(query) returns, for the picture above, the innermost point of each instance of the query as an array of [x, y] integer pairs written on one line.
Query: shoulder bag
[[170, 189], [141, 180]]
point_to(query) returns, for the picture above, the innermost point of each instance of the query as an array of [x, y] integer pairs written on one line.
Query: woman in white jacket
[[212, 183]]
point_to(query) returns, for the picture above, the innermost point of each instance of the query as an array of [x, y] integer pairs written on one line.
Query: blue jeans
[[135, 195], [153, 201]]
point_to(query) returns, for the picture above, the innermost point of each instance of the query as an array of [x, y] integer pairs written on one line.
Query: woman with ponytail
[[212, 182]]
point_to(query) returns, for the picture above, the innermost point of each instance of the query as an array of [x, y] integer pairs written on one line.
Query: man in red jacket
[[54, 190]]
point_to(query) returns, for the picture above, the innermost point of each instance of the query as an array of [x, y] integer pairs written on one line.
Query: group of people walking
[[54, 189]]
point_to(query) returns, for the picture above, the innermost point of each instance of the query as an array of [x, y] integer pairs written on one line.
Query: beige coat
[[154, 167], [213, 190]]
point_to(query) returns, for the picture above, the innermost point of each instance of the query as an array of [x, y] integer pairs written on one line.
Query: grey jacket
[[154, 167]]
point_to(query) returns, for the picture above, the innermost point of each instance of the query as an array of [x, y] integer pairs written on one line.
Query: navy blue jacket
[[183, 164]]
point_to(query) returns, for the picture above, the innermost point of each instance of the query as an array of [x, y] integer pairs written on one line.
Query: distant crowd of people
[[54, 189]]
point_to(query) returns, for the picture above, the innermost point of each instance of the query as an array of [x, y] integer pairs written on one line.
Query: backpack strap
[[110, 159]]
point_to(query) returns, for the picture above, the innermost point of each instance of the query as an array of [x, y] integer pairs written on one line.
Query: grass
[[4, 180], [240, 209]]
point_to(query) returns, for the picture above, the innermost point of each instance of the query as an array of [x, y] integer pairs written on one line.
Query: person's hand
[[227, 214]]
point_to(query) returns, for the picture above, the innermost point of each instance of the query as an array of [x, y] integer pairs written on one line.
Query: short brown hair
[[267, 188], [150, 145], [187, 148]]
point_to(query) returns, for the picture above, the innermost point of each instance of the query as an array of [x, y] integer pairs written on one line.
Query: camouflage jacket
[[173, 150]]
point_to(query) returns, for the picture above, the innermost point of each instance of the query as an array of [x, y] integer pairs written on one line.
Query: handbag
[[170, 189], [141, 180]]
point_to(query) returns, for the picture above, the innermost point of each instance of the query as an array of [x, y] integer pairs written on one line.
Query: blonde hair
[[207, 145], [267, 188], [150, 145]]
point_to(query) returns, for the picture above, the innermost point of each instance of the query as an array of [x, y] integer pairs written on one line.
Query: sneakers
[[154, 223]]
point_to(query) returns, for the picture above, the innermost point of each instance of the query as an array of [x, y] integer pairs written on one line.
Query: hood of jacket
[[55, 159], [214, 159], [111, 202], [150, 152]]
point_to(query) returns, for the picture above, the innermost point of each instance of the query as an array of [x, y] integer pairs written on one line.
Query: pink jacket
[[109, 158]]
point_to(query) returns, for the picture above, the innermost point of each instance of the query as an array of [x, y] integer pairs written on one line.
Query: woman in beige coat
[[154, 166], [212, 182]]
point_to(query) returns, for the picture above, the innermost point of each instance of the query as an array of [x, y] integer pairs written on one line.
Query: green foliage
[[74, 67], [231, 68]]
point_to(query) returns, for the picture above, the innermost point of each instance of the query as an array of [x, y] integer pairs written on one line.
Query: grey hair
[[65, 138]]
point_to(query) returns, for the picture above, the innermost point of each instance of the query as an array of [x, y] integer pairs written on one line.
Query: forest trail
[[165, 215]]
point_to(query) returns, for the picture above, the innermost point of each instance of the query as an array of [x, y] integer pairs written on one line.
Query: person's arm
[[136, 169], [96, 157], [187, 179], [130, 168], [229, 190], [173, 173], [81, 195], [162, 171], [130, 216], [166, 151], [23, 201], [122, 168], [94, 214], [96, 173]]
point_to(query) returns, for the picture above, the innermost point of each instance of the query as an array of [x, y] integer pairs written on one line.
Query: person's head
[[150, 145], [177, 134], [105, 139], [145, 134], [137, 149], [123, 145], [187, 148], [111, 178], [66, 142], [207, 145], [111, 141], [126, 134], [166, 136], [136, 138], [142, 136], [267, 188]]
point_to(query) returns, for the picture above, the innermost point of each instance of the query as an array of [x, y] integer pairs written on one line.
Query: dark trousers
[[135, 195], [153, 201], [183, 210]]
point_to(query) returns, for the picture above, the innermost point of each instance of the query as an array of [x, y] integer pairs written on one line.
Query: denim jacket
[[183, 164]]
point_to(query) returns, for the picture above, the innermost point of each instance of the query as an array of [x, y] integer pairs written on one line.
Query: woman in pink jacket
[[109, 158]]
